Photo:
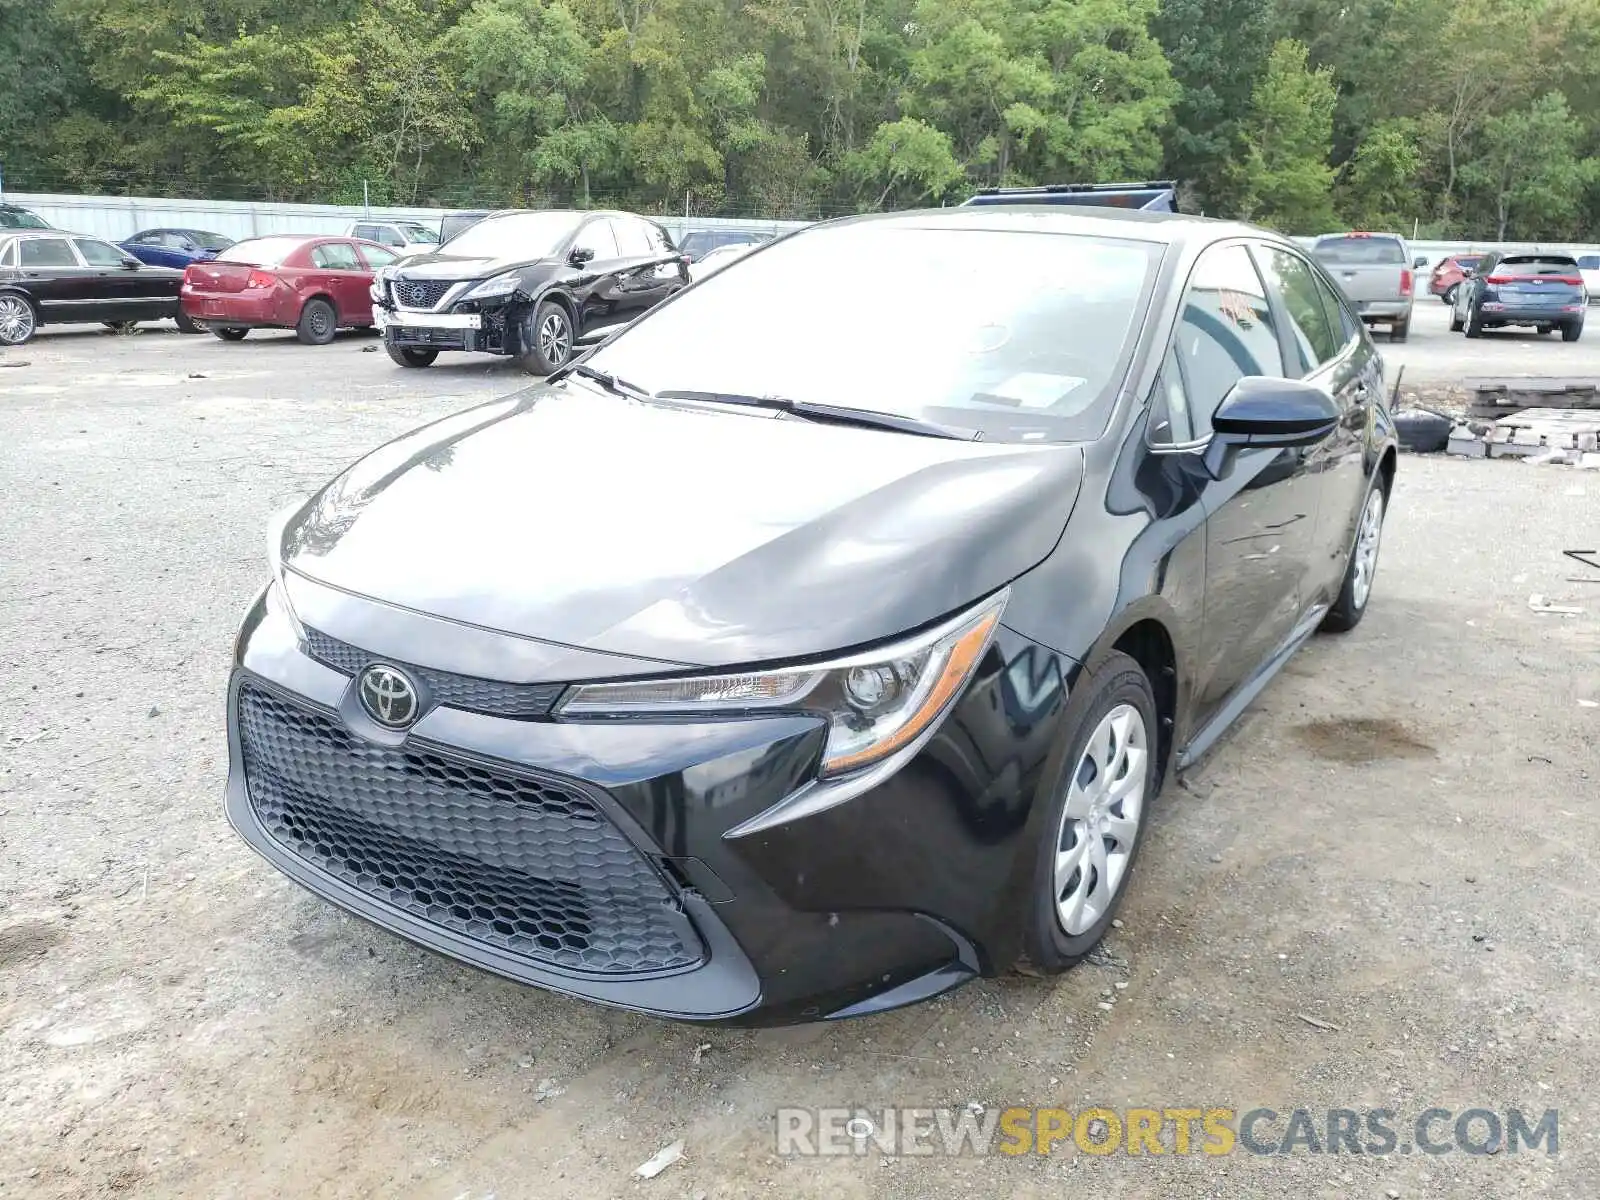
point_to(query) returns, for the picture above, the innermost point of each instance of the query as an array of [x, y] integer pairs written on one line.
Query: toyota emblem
[[389, 697]]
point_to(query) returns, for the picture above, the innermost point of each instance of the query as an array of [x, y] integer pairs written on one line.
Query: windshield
[[1021, 335], [516, 235], [261, 252], [419, 233], [1361, 251], [20, 218]]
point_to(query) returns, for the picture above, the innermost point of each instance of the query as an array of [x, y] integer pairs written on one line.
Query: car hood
[[687, 535], [456, 266]]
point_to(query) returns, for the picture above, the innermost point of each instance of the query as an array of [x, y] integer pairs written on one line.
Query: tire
[[317, 324], [1067, 912], [412, 356], [1398, 332], [1571, 331], [1356, 590], [19, 321], [1455, 323], [185, 323], [547, 339], [1474, 322], [229, 333], [1449, 296], [119, 326]]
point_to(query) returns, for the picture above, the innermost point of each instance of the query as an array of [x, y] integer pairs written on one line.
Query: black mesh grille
[[419, 293], [530, 867], [458, 691]]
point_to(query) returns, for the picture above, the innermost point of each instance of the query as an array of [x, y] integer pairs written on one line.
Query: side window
[[390, 236], [336, 256], [1170, 420], [1225, 332], [8, 255], [100, 254], [1343, 323], [369, 232], [633, 238], [1313, 339], [596, 236], [377, 256], [47, 252]]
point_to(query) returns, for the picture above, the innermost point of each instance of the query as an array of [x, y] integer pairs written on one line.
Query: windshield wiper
[[619, 387], [837, 413]]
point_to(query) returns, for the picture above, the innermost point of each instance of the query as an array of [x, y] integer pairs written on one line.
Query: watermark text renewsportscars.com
[[1167, 1130]]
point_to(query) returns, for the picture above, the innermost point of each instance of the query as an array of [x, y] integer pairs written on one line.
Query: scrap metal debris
[[1316, 1024], [661, 1160]]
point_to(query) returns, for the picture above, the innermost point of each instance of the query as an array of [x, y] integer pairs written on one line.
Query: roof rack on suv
[[1154, 196]]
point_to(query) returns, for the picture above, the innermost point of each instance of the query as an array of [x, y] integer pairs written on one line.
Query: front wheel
[[1474, 322], [230, 334], [318, 323], [412, 356], [1572, 331], [546, 339], [18, 323], [1092, 832], [1449, 296], [1351, 605]]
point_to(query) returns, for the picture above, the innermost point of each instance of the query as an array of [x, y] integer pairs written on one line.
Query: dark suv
[[532, 285], [1541, 290]]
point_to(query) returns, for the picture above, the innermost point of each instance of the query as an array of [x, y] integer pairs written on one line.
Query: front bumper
[[883, 898]]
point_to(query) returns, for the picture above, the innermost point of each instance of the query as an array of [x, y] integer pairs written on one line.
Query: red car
[[312, 285], [1450, 272]]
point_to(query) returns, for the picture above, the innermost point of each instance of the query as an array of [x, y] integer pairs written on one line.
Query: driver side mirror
[[580, 255], [1420, 263], [1262, 412], [131, 264]]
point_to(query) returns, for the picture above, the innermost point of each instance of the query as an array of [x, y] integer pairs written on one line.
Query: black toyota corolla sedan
[[813, 647]]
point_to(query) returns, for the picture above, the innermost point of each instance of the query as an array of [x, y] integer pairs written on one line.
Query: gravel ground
[[178, 1020]]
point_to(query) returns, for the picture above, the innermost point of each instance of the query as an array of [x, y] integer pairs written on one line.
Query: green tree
[[907, 159], [1380, 184], [1287, 179], [1530, 170]]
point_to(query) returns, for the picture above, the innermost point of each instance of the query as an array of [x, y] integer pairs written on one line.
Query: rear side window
[[370, 232], [47, 252], [377, 256], [1225, 331], [1356, 250], [1312, 337], [1344, 325], [336, 256]]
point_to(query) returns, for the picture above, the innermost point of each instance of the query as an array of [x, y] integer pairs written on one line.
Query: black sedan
[[48, 277], [1543, 291], [836, 679], [533, 285], [175, 247]]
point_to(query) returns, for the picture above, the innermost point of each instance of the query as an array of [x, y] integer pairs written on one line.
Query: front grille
[[531, 867], [419, 293], [490, 696]]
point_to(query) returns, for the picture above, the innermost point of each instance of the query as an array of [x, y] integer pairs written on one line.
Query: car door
[[1261, 517], [339, 270], [62, 286], [1466, 294], [597, 283], [124, 292], [1327, 346], [644, 281]]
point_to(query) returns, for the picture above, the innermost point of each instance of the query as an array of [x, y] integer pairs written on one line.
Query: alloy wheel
[[1100, 822], [1366, 555], [555, 339], [16, 320]]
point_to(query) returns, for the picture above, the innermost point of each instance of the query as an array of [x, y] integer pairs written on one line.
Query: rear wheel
[[186, 323], [1455, 322], [546, 339], [119, 326], [1091, 835], [318, 323], [18, 321], [1398, 332], [412, 356], [1572, 331], [1474, 322], [1351, 605], [230, 334]]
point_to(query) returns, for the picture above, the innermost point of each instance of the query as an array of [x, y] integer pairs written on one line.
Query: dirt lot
[[177, 1020]]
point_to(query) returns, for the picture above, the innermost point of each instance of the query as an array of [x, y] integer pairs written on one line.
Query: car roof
[[1172, 229]]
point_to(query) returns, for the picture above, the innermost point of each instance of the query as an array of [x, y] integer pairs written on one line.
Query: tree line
[[1454, 118]]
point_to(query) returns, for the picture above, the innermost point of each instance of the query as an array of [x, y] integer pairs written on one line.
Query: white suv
[[403, 237]]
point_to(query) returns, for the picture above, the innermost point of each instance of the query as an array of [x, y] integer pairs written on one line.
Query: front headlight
[[876, 702], [275, 531], [499, 285]]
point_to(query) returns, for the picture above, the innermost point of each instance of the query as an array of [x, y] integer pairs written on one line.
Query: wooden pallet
[[1502, 397], [1535, 430]]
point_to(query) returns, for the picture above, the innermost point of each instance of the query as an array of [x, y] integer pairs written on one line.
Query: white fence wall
[[119, 217]]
